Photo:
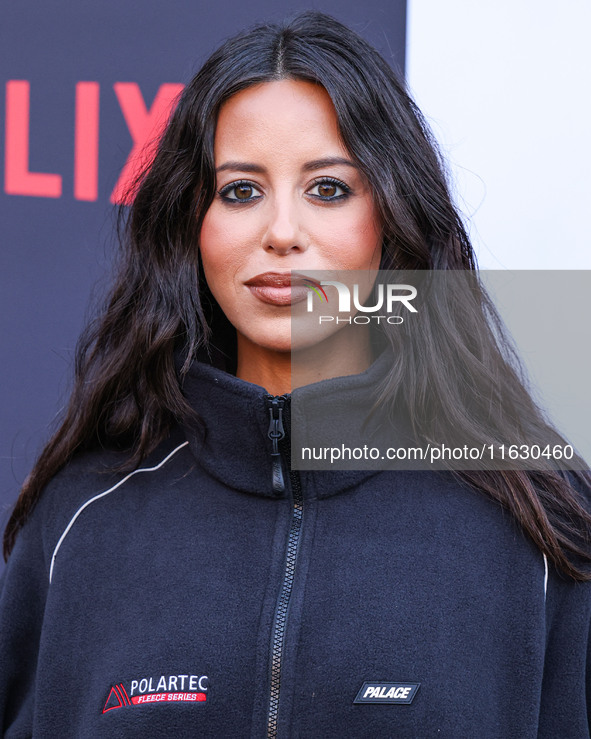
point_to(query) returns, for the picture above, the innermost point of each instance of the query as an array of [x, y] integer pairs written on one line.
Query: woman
[[169, 573]]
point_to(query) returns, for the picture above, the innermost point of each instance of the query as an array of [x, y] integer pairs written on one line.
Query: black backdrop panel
[[80, 80]]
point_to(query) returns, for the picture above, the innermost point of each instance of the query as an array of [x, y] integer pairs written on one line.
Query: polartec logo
[[162, 689], [387, 693]]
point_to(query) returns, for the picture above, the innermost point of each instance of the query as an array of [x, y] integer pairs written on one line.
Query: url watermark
[[435, 453]]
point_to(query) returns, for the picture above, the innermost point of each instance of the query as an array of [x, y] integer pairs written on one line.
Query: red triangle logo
[[113, 701]]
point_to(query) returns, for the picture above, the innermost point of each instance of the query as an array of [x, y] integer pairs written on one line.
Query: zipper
[[276, 433], [293, 540]]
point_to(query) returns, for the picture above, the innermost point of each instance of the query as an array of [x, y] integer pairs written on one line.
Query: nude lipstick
[[278, 288]]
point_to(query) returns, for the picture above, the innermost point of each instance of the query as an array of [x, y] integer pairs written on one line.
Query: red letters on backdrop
[[18, 180], [145, 126], [86, 141]]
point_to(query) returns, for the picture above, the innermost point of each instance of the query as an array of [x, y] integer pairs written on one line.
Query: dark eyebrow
[[241, 167], [328, 162], [308, 166]]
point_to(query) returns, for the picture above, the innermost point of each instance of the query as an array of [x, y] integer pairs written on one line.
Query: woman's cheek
[[220, 247], [354, 248]]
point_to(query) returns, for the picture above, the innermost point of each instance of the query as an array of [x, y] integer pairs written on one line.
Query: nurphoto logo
[[386, 297]]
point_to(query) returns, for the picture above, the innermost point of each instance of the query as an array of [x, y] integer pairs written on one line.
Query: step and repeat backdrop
[[86, 84]]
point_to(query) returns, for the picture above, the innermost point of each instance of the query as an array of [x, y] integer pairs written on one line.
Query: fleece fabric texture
[[162, 604]]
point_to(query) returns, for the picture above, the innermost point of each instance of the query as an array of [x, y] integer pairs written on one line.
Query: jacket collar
[[232, 442]]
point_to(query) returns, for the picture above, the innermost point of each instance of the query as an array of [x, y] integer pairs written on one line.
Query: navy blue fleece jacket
[[194, 598]]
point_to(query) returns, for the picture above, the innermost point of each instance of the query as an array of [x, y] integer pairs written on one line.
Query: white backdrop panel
[[506, 88]]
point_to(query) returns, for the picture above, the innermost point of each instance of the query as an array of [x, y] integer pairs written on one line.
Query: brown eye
[[240, 192], [327, 190], [243, 192]]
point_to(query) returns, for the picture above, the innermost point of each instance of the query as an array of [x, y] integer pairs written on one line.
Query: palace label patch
[[387, 693]]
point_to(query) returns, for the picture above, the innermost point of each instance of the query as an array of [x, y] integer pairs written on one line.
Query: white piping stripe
[[545, 576], [101, 495]]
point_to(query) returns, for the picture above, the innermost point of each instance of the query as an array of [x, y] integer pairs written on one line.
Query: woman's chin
[[280, 345], [266, 341]]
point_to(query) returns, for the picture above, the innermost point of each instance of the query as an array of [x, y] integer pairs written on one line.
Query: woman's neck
[[343, 353]]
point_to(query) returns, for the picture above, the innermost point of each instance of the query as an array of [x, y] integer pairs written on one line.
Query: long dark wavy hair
[[127, 391]]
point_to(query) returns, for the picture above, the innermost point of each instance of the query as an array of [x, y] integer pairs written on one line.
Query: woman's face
[[288, 197]]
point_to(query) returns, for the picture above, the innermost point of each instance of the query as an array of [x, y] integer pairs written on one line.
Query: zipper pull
[[276, 433]]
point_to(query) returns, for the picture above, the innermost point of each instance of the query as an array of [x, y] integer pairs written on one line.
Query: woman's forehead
[[279, 119]]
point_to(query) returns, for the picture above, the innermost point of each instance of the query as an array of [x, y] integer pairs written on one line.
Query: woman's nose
[[284, 233]]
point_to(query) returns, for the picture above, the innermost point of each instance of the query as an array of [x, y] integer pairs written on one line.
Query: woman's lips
[[275, 288]]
